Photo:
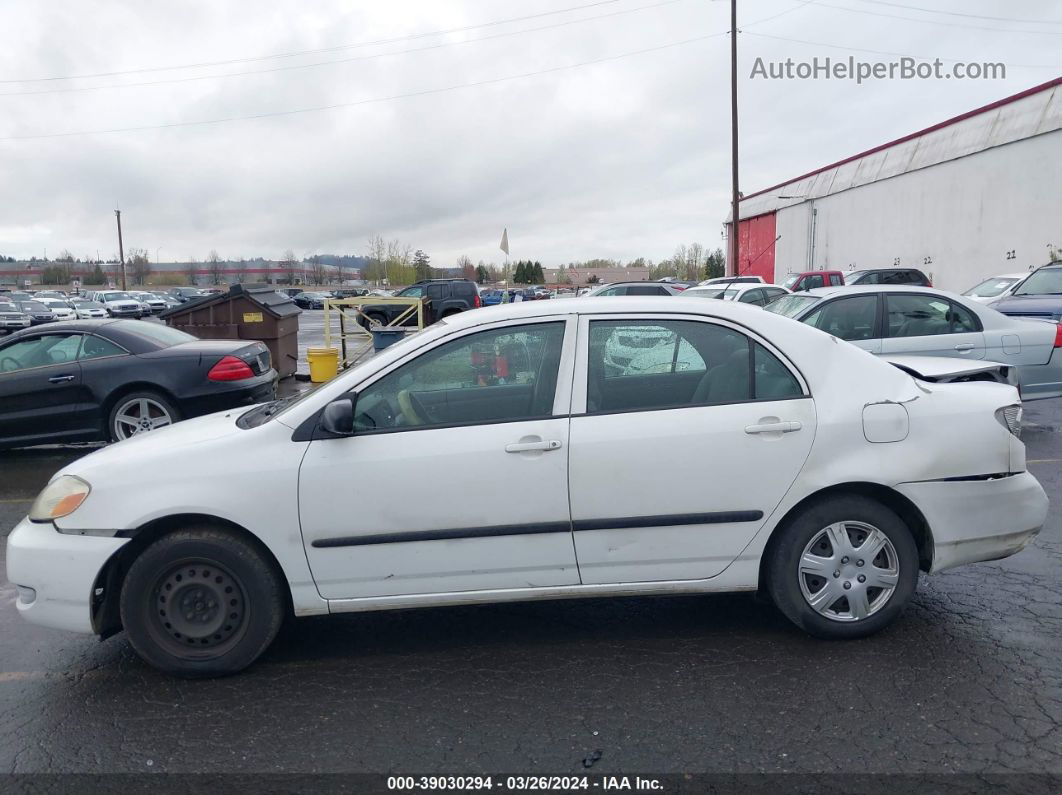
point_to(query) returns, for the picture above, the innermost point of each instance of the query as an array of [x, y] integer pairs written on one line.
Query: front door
[[40, 389], [692, 434], [456, 478]]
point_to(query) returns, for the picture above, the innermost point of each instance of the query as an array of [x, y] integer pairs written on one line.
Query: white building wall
[[995, 211]]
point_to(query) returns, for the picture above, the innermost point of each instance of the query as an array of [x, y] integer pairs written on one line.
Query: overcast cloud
[[623, 158]]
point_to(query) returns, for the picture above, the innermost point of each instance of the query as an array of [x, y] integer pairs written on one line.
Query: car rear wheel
[[140, 412], [201, 602], [845, 567]]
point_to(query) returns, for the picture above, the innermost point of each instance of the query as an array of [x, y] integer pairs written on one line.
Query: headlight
[[60, 498]]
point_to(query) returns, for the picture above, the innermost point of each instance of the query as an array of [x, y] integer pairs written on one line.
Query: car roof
[[855, 289]]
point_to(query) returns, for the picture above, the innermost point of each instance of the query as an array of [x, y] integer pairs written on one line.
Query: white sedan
[[746, 293], [776, 458], [923, 321]]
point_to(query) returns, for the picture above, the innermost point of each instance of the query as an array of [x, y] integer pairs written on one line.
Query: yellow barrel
[[324, 364]]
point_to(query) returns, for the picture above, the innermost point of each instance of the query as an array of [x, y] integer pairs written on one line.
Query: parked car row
[[838, 478]]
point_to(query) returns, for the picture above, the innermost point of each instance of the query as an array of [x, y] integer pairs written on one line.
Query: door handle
[[964, 346], [524, 447], [58, 379], [774, 427]]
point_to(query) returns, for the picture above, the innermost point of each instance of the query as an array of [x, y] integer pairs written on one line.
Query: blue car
[[1040, 295]]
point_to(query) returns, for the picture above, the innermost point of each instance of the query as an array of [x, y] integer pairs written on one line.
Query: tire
[[813, 563], [233, 598], [152, 408]]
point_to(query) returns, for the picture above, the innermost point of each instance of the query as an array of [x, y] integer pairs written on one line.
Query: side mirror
[[337, 419]]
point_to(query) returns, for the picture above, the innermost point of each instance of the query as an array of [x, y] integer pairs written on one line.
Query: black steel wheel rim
[[198, 609]]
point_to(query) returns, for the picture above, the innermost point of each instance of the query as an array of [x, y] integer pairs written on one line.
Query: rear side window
[[926, 316], [641, 366], [852, 318], [438, 291], [464, 289], [836, 279], [646, 289]]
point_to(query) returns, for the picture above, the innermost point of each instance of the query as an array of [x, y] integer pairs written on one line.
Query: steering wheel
[[408, 408], [3, 364]]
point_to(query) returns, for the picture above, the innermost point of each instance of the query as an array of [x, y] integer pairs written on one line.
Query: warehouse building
[[963, 200]]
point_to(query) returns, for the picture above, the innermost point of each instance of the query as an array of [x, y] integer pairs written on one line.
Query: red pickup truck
[[808, 280]]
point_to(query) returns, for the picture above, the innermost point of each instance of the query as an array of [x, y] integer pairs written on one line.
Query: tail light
[[1010, 418], [477, 302], [1058, 335], [230, 368]]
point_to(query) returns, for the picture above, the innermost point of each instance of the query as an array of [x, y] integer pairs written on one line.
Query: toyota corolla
[[775, 458]]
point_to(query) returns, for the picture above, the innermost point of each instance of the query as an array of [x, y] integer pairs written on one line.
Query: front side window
[[926, 316], [42, 351], [639, 365], [502, 375], [813, 281], [847, 318]]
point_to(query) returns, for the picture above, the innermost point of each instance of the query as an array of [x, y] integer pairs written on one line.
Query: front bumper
[[977, 520], [61, 569], [14, 324]]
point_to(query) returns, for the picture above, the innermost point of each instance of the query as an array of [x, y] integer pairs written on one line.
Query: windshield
[[791, 305], [703, 293], [1046, 281], [788, 283], [34, 306], [156, 332], [990, 288], [8, 308], [851, 277], [116, 297], [413, 292]]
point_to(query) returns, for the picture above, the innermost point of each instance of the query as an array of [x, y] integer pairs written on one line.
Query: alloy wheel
[[140, 415], [848, 571]]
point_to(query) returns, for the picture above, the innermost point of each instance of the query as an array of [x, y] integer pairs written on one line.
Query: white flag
[[505, 241]]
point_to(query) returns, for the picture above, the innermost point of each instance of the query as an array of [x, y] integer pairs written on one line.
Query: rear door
[[41, 392], [931, 325], [679, 454]]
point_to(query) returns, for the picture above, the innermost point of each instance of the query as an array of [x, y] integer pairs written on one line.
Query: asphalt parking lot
[[970, 680]]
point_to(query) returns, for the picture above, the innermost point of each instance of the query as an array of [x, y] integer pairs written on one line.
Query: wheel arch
[[890, 498], [128, 389], [106, 620]]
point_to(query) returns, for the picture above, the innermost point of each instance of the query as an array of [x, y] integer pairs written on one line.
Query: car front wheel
[[201, 602], [844, 567]]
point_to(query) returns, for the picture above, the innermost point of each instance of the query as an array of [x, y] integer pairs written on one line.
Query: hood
[[156, 447], [1040, 305]]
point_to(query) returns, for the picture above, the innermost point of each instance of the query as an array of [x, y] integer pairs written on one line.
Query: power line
[[963, 14], [442, 45], [936, 21], [294, 54], [370, 101], [889, 52]]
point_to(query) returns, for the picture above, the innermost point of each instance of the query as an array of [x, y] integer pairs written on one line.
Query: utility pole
[[121, 251], [735, 212]]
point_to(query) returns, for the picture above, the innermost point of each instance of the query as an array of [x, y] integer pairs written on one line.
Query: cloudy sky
[[589, 129]]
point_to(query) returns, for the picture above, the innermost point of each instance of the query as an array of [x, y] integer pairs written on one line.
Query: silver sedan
[[928, 322]]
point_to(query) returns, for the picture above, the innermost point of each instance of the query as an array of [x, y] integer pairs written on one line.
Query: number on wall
[[1012, 254]]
